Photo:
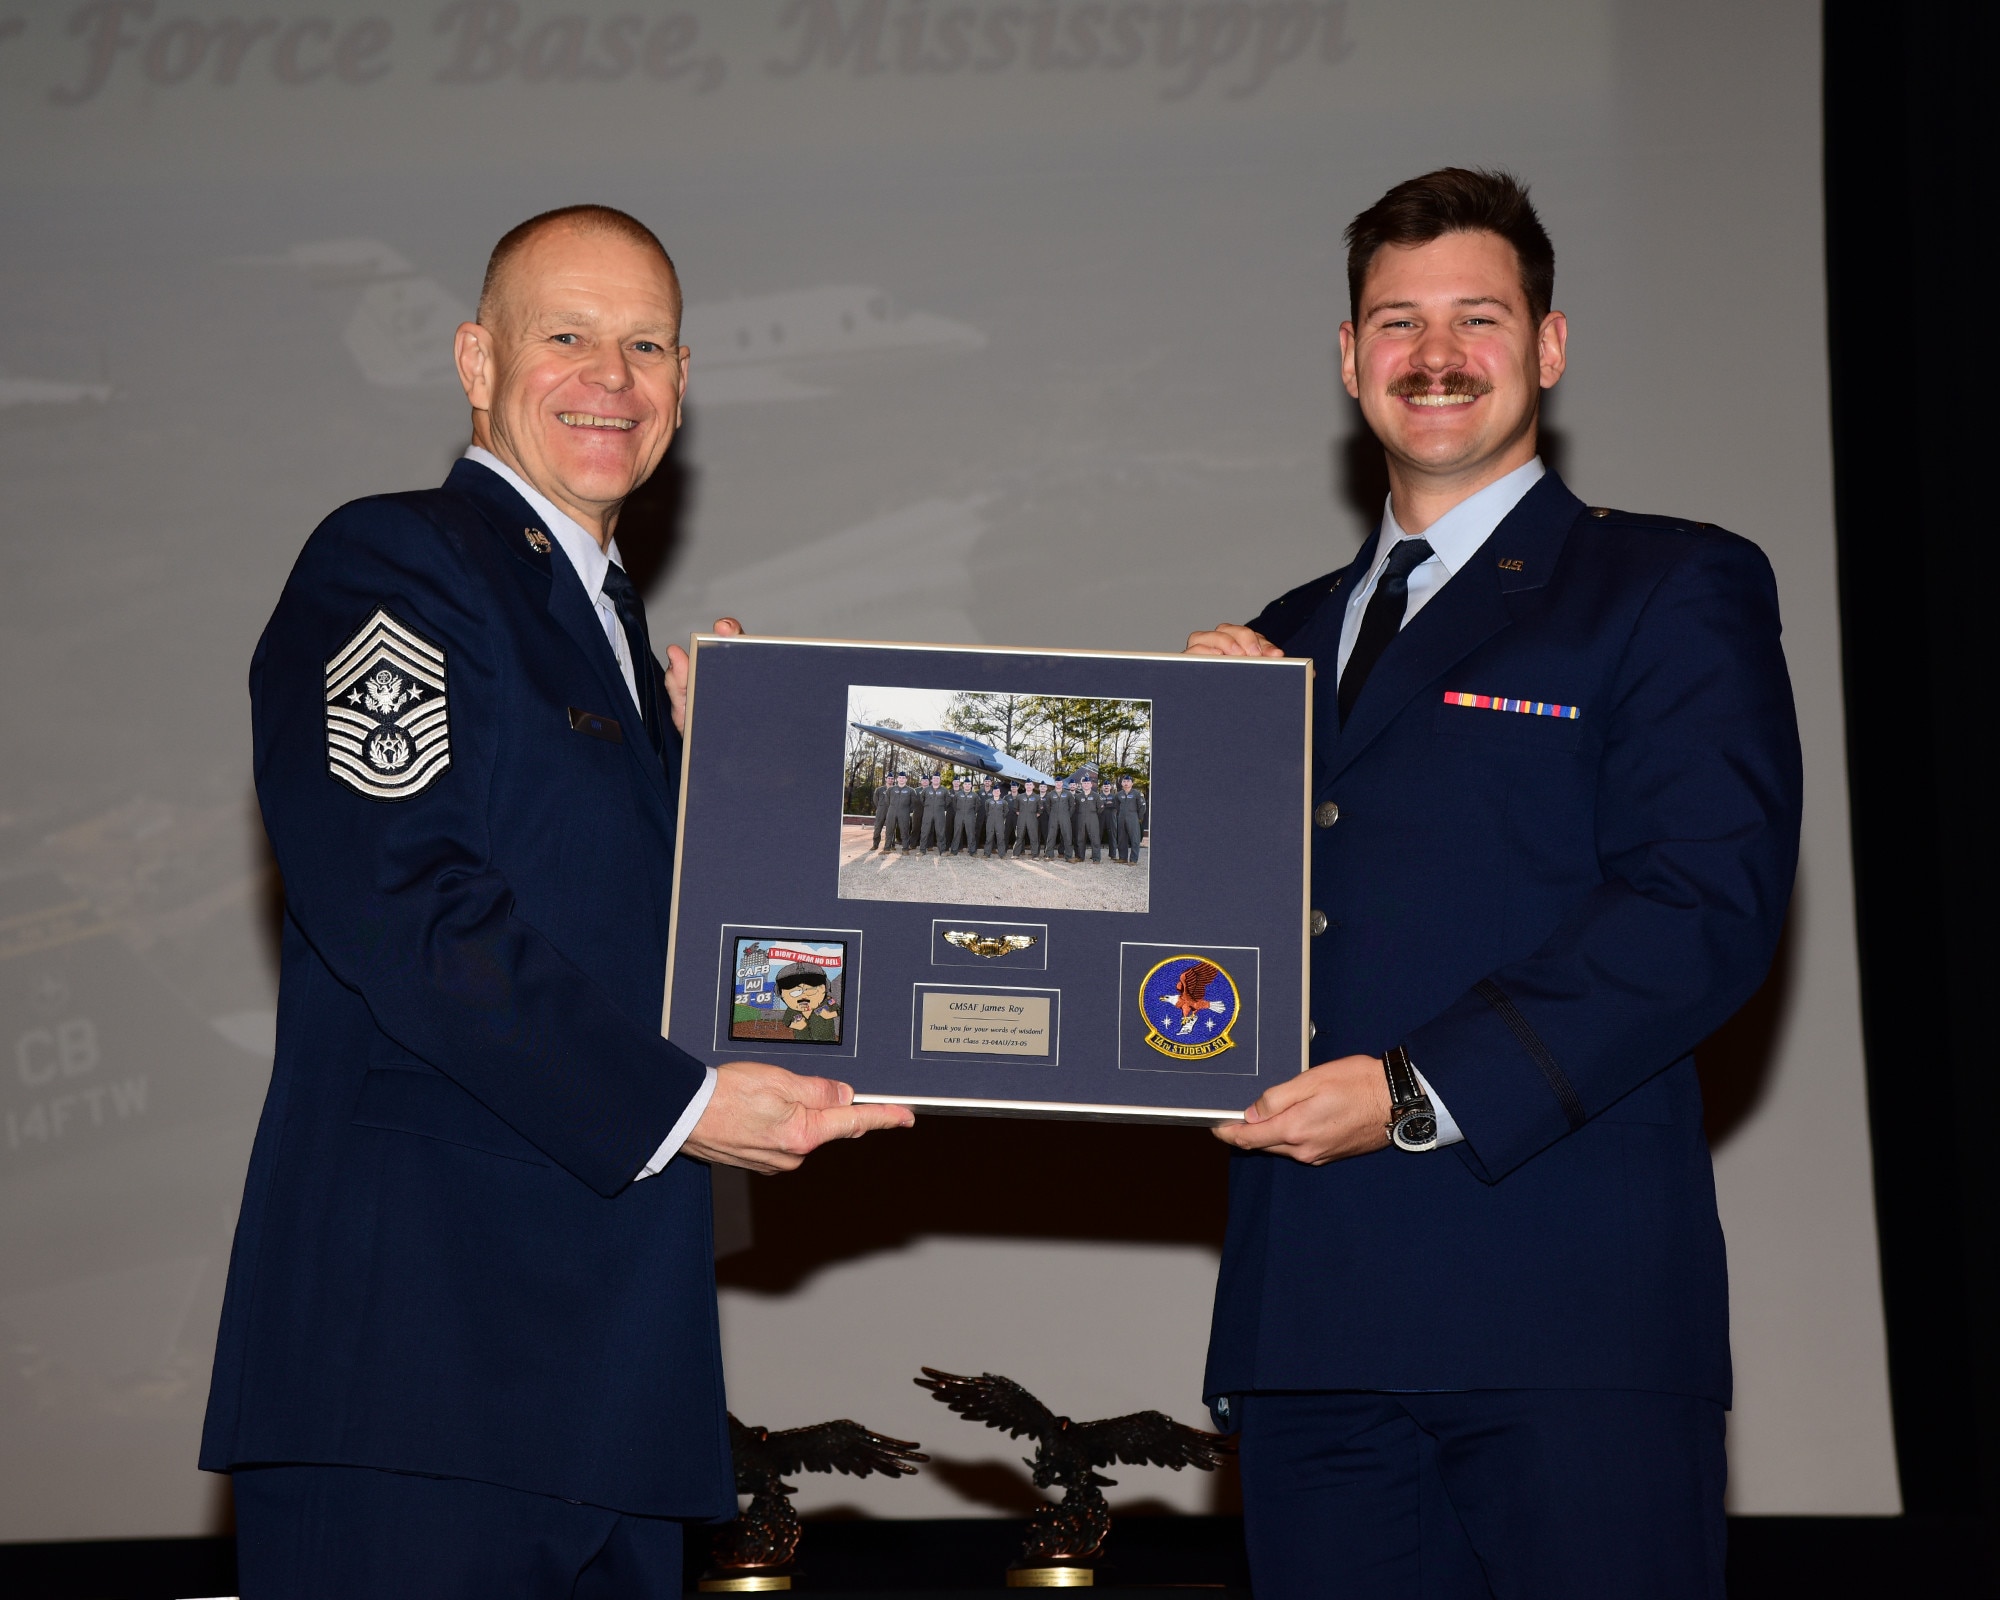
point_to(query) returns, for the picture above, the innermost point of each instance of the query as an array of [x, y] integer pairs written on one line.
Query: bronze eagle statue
[[1068, 1454], [767, 1534]]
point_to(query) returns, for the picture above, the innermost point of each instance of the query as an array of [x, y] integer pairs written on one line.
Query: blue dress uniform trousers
[[1499, 1494], [353, 1533]]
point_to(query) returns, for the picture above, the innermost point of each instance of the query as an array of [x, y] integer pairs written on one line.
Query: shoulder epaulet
[[1643, 519]]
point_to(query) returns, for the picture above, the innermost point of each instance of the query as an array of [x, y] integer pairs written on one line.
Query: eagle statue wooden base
[[755, 1552], [1065, 1539]]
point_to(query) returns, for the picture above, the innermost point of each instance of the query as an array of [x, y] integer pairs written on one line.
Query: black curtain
[[1912, 304]]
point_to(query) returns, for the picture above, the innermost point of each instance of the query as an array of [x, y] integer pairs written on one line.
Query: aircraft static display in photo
[[968, 797]]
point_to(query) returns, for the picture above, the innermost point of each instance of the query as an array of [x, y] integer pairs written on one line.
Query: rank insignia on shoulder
[[538, 541], [388, 732], [1190, 1003]]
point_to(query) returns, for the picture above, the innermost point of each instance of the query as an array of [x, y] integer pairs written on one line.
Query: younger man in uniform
[[964, 818], [902, 815], [996, 822], [1028, 826], [881, 813], [936, 823], [1556, 798], [1131, 820], [1062, 831], [1089, 822]]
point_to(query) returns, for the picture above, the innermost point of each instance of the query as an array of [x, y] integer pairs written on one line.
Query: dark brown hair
[[1455, 200], [582, 219]]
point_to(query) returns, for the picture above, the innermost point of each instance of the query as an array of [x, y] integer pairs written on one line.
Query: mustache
[[1411, 384]]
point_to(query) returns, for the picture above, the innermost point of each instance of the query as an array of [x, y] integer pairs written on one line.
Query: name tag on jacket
[[605, 728]]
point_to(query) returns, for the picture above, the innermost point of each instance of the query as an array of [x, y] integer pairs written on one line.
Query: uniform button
[[1312, 1032], [1326, 814], [1317, 922]]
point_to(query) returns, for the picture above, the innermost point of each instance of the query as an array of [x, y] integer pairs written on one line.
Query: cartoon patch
[[791, 991], [388, 732]]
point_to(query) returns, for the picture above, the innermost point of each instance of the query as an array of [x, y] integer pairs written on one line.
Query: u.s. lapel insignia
[[1190, 1003], [388, 733], [538, 541]]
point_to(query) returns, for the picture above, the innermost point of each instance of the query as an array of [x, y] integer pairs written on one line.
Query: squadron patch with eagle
[[1190, 1004], [388, 729]]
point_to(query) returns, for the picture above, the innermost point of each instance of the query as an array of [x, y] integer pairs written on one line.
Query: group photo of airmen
[[1069, 820], [985, 798]]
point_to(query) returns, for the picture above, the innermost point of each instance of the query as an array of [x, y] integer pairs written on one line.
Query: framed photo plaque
[[996, 881]]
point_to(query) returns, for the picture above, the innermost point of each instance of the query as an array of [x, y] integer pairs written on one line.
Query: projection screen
[[1012, 323]]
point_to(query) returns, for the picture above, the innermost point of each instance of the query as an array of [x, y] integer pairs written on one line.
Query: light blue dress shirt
[[1454, 539]]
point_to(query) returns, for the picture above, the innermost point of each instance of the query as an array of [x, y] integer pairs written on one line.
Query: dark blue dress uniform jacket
[[443, 1264], [1550, 914]]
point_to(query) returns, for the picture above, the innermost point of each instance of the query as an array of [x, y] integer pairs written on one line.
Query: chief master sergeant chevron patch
[[387, 729]]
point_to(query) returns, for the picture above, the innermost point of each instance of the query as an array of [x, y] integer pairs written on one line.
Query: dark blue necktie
[[1381, 621], [632, 618]]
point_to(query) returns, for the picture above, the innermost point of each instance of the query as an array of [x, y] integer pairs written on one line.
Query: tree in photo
[[869, 761]]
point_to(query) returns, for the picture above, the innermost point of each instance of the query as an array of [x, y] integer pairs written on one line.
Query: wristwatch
[[1413, 1123]]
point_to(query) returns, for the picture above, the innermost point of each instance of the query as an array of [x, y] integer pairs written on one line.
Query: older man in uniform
[[1556, 797], [469, 1344]]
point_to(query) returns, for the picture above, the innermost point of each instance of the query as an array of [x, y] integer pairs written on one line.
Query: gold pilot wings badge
[[388, 733], [990, 945]]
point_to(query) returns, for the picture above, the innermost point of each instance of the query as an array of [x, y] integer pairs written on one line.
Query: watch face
[[1417, 1131]]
